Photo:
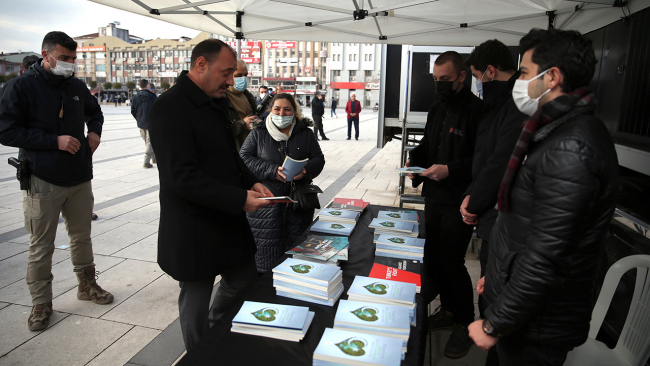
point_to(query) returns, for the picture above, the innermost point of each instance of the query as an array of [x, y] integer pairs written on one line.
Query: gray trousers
[[196, 313], [148, 151]]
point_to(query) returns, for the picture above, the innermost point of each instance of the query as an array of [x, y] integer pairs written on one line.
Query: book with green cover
[[400, 241], [374, 316], [338, 215], [276, 333], [357, 348], [398, 216], [383, 290]]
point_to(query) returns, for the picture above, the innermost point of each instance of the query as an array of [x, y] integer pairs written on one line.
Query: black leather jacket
[[544, 252]]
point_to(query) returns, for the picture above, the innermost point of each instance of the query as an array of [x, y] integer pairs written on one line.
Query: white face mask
[[262, 95], [522, 99], [281, 121], [62, 68]]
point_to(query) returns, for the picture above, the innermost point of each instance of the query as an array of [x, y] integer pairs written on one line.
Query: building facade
[[354, 68]]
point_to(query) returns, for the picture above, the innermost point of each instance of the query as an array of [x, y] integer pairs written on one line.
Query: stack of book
[[339, 215], [349, 204], [399, 215], [374, 318], [346, 347], [332, 228], [388, 292], [397, 269], [286, 322], [322, 249], [395, 227], [308, 281], [399, 246]]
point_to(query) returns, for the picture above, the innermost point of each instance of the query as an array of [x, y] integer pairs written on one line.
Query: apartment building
[[354, 68]]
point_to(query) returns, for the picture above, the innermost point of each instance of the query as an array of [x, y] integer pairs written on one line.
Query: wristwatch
[[489, 330]]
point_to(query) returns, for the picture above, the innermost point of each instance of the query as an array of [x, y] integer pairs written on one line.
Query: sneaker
[[39, 319], [440, 320], [459, 342], [147, 165], [89, 289]]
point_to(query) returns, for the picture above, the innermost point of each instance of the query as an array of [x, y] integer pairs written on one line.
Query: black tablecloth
[[223, 347]]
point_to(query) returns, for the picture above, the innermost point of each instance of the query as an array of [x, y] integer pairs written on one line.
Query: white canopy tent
[[414, 22]]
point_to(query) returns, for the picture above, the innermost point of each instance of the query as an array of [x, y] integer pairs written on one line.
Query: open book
[[293, 167]]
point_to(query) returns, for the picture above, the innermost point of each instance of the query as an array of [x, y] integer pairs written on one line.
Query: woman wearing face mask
[[242, 104], [284, 133]]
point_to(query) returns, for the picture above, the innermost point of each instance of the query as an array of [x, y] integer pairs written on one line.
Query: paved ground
[[140, 327]]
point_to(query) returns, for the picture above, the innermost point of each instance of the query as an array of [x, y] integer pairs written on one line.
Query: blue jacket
[[141, 106], [31, 119]]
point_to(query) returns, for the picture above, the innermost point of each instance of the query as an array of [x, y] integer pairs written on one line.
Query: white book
[[293, 337], [357, 348]]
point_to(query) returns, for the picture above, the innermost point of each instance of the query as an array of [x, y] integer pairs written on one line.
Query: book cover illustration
[[318, 247], [292, 167], [328, 214], [400, 241], [399, 216], [360, 348], [373, 315], [383, 289], [271, 315], [397, 269], [337, 205], [332, 228], [392, 225], [411, 169], [311, 270], [351, 201]]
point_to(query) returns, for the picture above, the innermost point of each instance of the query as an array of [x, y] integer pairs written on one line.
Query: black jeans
[[517, 351], [318, 126], [196, 314], [356, 127], [483, 258], [444, 257]]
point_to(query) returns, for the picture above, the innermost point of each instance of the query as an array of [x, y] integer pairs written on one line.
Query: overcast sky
[[24, 23]]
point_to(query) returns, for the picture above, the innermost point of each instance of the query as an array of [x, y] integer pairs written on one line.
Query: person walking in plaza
[[59, 158], [205, 191], [556, 202], [142, 103], [284, 133], [317, 112], [242, 104], [446, 150], [333, 104], [353, 108]]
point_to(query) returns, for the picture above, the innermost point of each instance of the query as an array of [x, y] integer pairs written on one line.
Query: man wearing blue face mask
[[44, 113], [242, 104], [555, 203]]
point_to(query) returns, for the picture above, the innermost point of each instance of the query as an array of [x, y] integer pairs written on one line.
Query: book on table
[[272, 320], [397, 269], [398, 254], [382, 290], [292, 167], [413, 234], [310, 272], [350, 347], [329, 302], [411, 170], [343, 206], [398, 216], [318, 247], [392, 226], [400, 241], [351, 201], [308, 281], [279, 199], [374, 318], [335, 228], [338, 215]]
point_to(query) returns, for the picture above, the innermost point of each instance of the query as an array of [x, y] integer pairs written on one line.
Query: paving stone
[[115, 240], [120, 352], [73, 341], [12, 217], [13, 321], [123, 207], [155, 306], [122, 280], [9, 249], [4, 305], [143, 214], [145, 250]]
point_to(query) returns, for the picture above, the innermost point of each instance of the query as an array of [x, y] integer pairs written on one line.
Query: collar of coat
[[197, 95]]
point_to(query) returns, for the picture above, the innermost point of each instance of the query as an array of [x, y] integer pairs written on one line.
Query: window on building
[[368, 73], [369, 57], [337, 72], [149, 54], [277, 69], [270, 68], [175, 53], [101, 55], [100, 67], [355, 57], [284, 69], [350, 57], [367, 102]]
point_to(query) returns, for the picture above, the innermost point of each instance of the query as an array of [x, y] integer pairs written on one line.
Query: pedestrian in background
[[317, 112], [142, 103], [353, 108], [333, 104]]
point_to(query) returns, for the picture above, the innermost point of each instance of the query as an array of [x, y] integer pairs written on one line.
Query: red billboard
[[280, 44], [250, 51]]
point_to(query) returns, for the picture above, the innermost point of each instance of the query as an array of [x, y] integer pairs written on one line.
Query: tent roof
[[415, 22]]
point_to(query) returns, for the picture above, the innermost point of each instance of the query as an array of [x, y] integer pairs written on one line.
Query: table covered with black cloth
[[223, 347]]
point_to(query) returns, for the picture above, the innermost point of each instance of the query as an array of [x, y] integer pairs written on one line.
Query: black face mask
[[445, 89]]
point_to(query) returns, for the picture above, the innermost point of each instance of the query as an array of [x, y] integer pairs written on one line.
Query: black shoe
[[317, 139], [439, 320], [459, 342], [325, 139], [94, 216], [348, 138], [356, 138]]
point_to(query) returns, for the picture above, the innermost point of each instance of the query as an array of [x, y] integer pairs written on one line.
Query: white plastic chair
[[633, 347]]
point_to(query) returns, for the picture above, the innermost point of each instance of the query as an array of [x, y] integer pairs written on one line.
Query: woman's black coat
[[276, 228]]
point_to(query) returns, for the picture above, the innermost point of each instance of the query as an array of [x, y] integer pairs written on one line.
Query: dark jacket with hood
[[35, 109], [142, 103], [545, 251], [203, 185], [277, 228], [449, 138], [498, 132]]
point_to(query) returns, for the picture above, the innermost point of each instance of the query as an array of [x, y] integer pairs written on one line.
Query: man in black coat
[[555, 203], [317, 112], [140, 108], [446, 151], [205, 191]]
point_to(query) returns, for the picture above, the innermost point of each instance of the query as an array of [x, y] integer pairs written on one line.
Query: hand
[[300, 175], [436, 172], [406, 165], [260, 188], [68, 143], [253, 203], [93, 140], [480, 286], [353, 114], [249, 120], [280, 176], [482, 340], [468, 218]]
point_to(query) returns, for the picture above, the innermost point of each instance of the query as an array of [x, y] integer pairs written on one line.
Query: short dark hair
[[453, 57], [569, 51], [53, 38], [492, 52], [264, 87], [143, 83], [29, 61], [210, 49]]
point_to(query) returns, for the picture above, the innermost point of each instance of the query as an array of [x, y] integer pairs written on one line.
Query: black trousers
[[354, 120], [483, 258], [444, 257], [517, 351], [318, 126], [195, 312]]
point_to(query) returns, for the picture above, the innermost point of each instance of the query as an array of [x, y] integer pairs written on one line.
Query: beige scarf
[[240, 102]]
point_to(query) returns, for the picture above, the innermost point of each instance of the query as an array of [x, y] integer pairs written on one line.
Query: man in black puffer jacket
[[556, 199]]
